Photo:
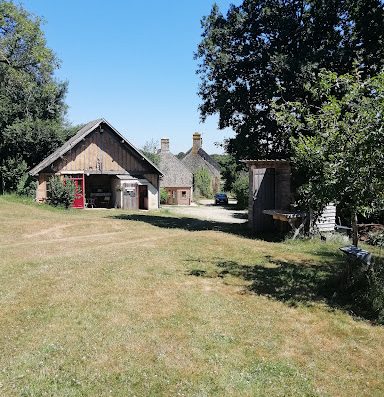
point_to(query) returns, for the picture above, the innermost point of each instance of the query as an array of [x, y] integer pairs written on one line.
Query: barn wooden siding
[[101, 152]]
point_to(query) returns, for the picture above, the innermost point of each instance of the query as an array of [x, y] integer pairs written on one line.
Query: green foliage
[[26, 186], [342, 159], [376, 238], [365, 284], [203, 183], [264, 50], [31, 99], [163, 196], [12, 169], [150, 151], [61, 193], [230, 170], [240, 189]]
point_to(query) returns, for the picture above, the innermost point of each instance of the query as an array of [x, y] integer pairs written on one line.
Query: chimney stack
[[196, 143], [164, 145]]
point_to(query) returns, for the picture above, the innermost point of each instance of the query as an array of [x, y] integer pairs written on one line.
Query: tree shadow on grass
[[291, 283], [194, 224]]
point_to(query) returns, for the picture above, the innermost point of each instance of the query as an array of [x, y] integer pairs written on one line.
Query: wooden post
[[355, 235]]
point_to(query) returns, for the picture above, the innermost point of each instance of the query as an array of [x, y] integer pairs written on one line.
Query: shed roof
[[278, 163], [81, 134]]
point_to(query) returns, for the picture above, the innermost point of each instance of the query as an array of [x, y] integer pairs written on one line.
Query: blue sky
[[131, 62]]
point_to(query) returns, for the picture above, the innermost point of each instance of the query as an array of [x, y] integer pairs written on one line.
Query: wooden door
[[130, 197], [78, 181], [263, 198]]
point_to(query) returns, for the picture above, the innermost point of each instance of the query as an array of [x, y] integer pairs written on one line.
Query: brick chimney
[[196, 143], [164, 145]]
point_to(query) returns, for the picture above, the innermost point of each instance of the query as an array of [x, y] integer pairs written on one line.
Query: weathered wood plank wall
[[102, 152]]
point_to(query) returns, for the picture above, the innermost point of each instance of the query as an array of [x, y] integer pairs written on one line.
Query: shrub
[[203, 183], [61, 193], [26, 186], [241, 190], [163, 196], [366, 287], [376, 238]]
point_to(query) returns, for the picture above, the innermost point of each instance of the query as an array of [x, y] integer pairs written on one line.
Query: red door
[[79, 191]]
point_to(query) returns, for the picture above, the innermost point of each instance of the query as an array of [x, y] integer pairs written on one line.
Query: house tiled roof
[[176, 174], [201, 160]]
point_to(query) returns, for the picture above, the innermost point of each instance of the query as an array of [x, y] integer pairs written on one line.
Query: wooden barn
[[177, 179], [270, 199], [197, 158], [108, 171]]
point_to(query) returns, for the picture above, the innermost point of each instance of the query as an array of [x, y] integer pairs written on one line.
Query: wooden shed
[[269, 188], [270, 197], [107, 169], [177, 179]]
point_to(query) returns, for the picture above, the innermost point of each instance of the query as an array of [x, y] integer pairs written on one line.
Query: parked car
[[221, 198]]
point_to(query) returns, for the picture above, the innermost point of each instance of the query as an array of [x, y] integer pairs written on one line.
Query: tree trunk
[[355, 234]]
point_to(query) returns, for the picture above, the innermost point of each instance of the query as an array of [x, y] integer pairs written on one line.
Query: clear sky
[[131, 62]]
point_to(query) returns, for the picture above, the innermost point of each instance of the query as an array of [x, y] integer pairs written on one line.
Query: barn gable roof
[[81, 134]]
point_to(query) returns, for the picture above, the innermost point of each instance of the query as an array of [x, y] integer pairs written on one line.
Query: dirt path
[[208, 211]]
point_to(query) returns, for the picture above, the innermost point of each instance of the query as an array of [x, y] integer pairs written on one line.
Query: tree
[[241, 189], [267, 49], [339, 145], [230, 169], [32, 104], [150, 150], [203, 183]]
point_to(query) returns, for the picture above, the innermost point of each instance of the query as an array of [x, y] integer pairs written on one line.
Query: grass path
[[93, 305]]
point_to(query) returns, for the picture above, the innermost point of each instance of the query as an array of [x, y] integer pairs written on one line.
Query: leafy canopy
[[267, 49], [150, 151], [339, 145], [32, 104]]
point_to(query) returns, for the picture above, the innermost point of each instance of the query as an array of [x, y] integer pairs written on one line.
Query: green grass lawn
[[112, 303]]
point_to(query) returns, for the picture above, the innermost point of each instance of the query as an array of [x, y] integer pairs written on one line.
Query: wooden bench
[[291, 217]]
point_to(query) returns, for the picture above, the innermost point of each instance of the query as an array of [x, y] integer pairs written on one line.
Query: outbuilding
[[270, 200], [107, 170]]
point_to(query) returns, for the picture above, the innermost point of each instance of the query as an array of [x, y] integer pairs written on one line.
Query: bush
[[26, 186], [366, 287], [203, 183], [240, 189], [376, 238], [61, 193], [163, 196], [11, 171]]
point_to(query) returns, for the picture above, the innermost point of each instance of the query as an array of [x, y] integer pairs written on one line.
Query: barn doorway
[[98, 190], [143, 197], [78, 181]]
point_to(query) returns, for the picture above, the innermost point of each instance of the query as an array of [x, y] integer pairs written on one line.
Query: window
[[184, 194]]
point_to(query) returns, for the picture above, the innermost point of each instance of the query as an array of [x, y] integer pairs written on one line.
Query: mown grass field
[[108, 303]]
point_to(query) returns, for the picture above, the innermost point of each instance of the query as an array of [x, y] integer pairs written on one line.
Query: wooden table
[[291, 217]]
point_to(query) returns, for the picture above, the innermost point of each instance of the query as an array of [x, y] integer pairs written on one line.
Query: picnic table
[[291, 217]]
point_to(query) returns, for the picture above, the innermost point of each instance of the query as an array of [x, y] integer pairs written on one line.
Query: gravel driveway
[[207, 210]]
